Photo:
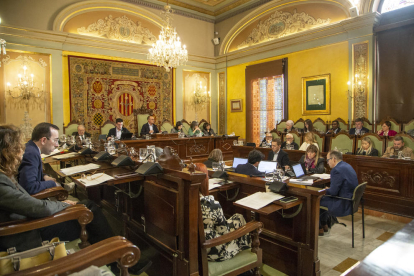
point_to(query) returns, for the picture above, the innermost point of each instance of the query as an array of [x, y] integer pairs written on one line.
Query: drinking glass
[[235, 143], [111, 150], [362, 132], [142, 153], [63, 138], [147, 136], [268, 176], [215, 166], [400, 155], [221, 165], [240, 143]]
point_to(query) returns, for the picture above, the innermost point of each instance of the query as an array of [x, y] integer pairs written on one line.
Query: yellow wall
[[331, 59]]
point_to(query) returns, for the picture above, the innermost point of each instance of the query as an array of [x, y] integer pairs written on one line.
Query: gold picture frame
[[236, 105], [316, 95]]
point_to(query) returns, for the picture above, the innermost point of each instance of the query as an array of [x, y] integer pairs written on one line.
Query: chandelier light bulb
[[19, 75], [8, 84], [25, 82], [24, 68]]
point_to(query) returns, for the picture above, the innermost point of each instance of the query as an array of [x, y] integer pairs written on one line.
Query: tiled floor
[[335, 247]]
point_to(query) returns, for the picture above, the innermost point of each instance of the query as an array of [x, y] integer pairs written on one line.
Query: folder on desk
[[259, 200]]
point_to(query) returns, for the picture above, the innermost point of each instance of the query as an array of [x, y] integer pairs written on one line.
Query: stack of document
[[67, 155], [80, 168], [301, 181], [259, 200], [56, 151], [96, 179], [322, 175], [216, 182]]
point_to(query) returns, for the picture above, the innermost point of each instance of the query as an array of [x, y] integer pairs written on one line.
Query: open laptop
[[267, 166], [237, 161], [126, 136], [299, 171]]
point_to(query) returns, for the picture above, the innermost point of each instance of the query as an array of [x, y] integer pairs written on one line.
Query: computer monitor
[[239, 161], [267, 166], [298, 170]]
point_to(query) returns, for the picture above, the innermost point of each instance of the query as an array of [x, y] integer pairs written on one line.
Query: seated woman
[[308, 126], [309, 140], [178, 127], [386, 130], [215, 156], [367, 148], [216, 225], [194, 130], [313, 163], [207, 130]]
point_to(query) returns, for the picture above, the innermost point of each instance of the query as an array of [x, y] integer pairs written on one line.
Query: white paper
[[56, 151], [97, 178], [66, 155], [322, 175], [80, 168], [301, 181], [259, 200]]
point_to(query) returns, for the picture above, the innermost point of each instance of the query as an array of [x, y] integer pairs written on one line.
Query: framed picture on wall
[[236, 105], [316, 95]]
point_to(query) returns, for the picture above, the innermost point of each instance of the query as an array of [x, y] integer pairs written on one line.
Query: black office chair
[[356, 199]]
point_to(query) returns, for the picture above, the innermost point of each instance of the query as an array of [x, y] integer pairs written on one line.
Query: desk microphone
[[166, 131]]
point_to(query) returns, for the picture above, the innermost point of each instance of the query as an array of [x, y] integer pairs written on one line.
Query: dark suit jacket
[[30, 175], [352, 130], [295, 146], [15, 204], [374, 152], [87, 135], [112, 131], [209, 133], [320, 165], [282, 158], [334, 131], [248, 169], [146, 130], [343, 183]]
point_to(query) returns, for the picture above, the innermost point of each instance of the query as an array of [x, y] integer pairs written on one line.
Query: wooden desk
[[390, 181], [394, 257], [195, 147]]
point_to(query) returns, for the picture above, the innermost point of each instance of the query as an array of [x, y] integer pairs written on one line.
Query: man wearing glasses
[[290, 143], [45, 139]]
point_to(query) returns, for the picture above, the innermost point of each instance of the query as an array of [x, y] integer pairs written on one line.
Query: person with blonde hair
[[215, 156], [313, 163], [309, 140], [367, 148]]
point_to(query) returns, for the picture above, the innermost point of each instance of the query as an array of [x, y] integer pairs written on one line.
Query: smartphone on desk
[[288, 199]]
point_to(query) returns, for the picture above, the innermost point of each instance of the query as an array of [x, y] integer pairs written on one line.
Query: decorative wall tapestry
[[360, 80], [281, 24], [102, 90]]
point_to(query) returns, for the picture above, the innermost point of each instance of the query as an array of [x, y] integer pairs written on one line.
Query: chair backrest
[[408, 140], [276, 134], [201, 123], [394, 125], [300, 124], [107, 126], [377, 141], [71, 128], [320, 125], [320, 139], [342, 141], [186, 125], [408, 126], [166, 126], [281, 125], [358, 193], [297, 138]]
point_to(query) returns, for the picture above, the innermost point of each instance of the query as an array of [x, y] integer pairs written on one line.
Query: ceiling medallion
[[167, 51]]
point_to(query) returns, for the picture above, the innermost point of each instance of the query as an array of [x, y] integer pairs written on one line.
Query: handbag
[[12, 261]]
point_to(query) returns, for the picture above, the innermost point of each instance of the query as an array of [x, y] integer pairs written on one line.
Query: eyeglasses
[[56, 141], [91, 176], [327, 160]]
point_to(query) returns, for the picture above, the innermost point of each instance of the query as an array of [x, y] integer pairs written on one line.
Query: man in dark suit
[[277, 154], [250, 168], [149, 128], [335, 128], [358, 129], [117, 130], [343, 183], [267, 141], [290, 143], [81, 133], [45, 138]]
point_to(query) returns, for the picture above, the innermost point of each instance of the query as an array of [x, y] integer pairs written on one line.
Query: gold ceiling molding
[[120, 28], [281, 24], [104, 5]]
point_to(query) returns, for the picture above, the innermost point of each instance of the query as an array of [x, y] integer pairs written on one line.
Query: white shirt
[[275, 156], [151, 127], [118, 133], [305, 146]]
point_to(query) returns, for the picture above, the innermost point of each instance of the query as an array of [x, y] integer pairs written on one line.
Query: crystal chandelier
[[2, 46], [201, 96], [25, 91], [167, 51]]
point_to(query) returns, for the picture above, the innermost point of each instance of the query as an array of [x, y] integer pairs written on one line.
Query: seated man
[[149, 128], [358, 129], [250, 168], [81, 133], [290, 143], [343, 183], [267, 141], [289, 126], [335, 128], [118, 130], [45, 138], [278, 155], [399, 149]]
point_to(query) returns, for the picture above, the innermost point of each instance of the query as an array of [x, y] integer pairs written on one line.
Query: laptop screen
[[267, 166], [237, 161], [298, 170]]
